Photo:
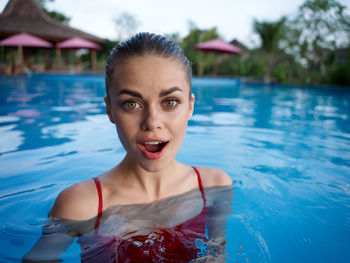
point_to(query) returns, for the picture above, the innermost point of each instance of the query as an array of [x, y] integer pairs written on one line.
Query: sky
[[233, 18]]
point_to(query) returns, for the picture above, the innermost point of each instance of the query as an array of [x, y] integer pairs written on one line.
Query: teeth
[[153, 143]]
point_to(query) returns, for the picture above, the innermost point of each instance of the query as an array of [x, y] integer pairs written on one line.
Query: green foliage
[[313, 47], [58, 16], [53, 14], [339, 73], [320, 27], [270, 34], [202, 62]]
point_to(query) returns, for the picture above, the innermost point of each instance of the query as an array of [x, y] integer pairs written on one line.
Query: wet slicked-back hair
[[140, 45]]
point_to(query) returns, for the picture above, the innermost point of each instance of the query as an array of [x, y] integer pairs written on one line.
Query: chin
[[153, 166]]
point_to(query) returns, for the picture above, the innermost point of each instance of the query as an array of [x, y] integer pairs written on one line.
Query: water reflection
[[42, 101]]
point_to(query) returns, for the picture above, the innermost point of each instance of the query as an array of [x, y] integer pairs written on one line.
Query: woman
[[149, 100]]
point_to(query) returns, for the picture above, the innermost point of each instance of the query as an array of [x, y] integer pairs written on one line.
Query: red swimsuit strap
[[100, 202], [200, 185]]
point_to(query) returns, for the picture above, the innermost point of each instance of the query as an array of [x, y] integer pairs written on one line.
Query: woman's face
[[150, 106]]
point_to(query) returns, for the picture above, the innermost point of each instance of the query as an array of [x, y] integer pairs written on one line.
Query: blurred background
[[299, 41]]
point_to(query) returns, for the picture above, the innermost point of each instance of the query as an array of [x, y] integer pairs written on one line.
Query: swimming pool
[[287, 149]]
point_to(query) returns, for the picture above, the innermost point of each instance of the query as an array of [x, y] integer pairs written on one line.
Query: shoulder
[[77, 202], [214, 177]]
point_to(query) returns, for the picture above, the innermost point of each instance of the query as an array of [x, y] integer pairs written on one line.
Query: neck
[[154, 185]]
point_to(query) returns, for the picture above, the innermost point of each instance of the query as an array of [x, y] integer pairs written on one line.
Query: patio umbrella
[[24, 40], [218, 46], [80, 43]]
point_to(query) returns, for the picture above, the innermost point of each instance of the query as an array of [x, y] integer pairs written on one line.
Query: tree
[[201, 62], [126, 25], [270, 33], [53, 14], [320, 27]]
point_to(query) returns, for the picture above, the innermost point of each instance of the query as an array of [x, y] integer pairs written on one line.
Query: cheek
[[178, 123], [126, 128]]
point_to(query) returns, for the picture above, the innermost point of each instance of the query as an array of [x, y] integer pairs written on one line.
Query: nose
[[151, 119]]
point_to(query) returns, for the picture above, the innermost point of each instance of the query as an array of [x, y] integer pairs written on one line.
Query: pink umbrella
[[77, 43], [24, 40], [218, 46], [80, 43]]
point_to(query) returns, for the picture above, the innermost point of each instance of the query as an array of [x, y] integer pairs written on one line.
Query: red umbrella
[[218, 46], [24, 40], [77, 43]]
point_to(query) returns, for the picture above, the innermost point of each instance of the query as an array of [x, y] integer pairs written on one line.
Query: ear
[[108, 110], [191, 106]]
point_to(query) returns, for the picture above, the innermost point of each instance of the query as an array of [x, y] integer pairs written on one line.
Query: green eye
[[131, 105]]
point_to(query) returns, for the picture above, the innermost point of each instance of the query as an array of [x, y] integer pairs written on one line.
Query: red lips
[[152, 148]]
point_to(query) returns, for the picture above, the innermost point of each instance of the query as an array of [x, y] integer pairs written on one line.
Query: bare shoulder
[[77, 202], [214, 177]]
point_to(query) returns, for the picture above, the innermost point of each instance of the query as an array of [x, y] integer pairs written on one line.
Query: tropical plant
[[318, 30], [270, 34], [202, 62]]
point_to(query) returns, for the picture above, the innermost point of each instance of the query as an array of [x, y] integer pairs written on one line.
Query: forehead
[[150, 72]]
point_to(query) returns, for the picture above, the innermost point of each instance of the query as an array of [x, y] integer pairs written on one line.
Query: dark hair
[[141, 44]]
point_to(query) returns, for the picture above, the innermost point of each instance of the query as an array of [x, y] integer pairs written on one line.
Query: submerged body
[[157, 243]]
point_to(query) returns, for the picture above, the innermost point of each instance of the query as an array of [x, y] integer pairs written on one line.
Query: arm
[[219, 211], [219, 193], [67, 218], [49, 247], [219, 208]]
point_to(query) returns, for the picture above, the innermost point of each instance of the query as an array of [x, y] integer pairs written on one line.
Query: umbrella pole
[[217, 62], [58, 58], [20, 56], [13, 63], [79, 68], [215, 68]]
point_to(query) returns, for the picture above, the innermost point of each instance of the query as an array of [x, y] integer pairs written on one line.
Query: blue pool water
[[287, 149]]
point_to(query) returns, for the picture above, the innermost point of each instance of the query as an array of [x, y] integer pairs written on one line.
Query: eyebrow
[[169, 91], [130, 92], [138, 94]]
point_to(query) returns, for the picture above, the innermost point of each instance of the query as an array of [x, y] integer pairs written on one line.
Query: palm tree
[[270, 34]]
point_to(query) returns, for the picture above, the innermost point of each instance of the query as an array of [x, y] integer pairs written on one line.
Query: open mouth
[[153, 149]]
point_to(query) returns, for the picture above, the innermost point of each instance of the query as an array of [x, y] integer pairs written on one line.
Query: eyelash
[[171, 99], [125, 105], [138, 105]]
